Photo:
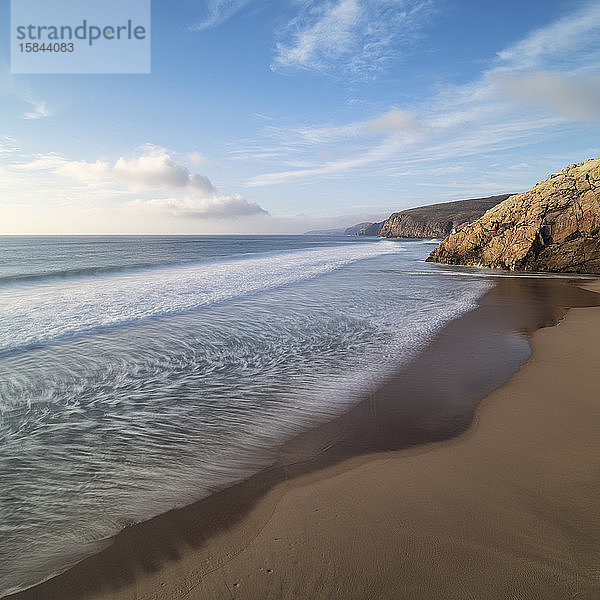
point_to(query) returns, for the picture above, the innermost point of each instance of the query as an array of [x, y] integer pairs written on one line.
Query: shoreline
[[508, 509], [440, 391]]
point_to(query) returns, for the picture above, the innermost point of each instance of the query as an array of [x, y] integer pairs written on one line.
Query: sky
[[279, 116]]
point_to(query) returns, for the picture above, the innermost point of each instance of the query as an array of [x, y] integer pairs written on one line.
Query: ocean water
[[138, 374]]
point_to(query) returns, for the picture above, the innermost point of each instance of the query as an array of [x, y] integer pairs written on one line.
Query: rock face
[[373, 229], [356, 228], [555, 226], [353, 230], [437, 220], [336, 231]]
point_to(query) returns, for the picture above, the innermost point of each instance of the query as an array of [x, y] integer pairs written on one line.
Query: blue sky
[[278, 116]]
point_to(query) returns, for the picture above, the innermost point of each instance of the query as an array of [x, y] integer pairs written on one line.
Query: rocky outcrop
[[437, 220], [336, 231], [555, 226], [373, 229], [356, 228]]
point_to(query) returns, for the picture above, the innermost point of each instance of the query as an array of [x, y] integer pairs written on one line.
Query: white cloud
[[42, 162], [219, 11], [330, 35], [562, 40], [556, 67], [212, 207], [398, 128], [508, 106], [394, 122], [350, 35], [39, 110], [82, 170], [8, 145], [574, 97], [197, 158], [9, 85], [153, 168]]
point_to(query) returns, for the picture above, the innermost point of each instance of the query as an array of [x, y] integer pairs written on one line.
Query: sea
[[143, 373]]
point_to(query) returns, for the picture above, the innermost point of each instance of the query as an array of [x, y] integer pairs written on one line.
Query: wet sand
[[387, 502]]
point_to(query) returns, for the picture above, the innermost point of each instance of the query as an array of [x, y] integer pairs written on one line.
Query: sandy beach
[[441, 495], [507, 510], [300, 300]]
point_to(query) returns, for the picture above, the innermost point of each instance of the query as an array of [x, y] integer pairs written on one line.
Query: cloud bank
[[575, 97], [144, 175], [212, 207]]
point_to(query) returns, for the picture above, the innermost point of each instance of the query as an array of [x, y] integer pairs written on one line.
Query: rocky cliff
[[373, 229], [354, 230], [555, 226], [335, 231], [437, 220], [358, 229]]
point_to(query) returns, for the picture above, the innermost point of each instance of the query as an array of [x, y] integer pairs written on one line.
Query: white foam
[[36, 313]]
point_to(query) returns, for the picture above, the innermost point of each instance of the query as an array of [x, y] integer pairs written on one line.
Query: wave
[[102, 431], [38, 312], [81, 272]]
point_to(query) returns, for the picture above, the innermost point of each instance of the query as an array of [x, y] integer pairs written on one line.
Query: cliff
[[352, 230], [437, 220], [555, 226], [336, 231], [355, 229], [371, 229]]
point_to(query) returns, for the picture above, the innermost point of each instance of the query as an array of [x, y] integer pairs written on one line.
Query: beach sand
[[370, 506], [508, 510]]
